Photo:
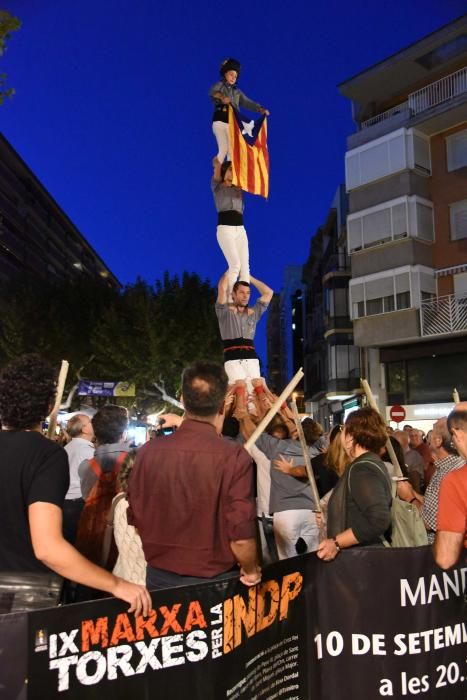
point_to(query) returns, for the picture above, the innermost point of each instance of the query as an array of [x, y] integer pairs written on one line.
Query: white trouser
[[243, 369], [221, 132], [289, 525], [233, 242]]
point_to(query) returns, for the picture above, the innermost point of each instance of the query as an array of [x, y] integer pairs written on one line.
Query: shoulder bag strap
[[96, 467]]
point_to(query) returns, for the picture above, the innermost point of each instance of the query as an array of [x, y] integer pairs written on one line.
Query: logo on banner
[[106, 647]]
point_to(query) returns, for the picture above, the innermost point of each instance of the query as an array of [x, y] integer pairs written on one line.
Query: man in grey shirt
[[237, 326]]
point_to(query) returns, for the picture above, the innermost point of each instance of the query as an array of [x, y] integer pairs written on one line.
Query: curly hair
[[27, 392], [367, 428]]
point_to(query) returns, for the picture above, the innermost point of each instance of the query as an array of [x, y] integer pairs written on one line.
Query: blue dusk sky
[[112, 114]]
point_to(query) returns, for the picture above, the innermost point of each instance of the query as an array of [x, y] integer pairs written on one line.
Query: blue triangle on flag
[[249, 128]]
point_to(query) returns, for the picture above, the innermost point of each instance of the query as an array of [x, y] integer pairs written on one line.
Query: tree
[[143, 333], [8, 24]]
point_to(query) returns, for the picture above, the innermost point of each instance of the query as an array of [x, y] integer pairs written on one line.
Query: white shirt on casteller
[[78, 450]]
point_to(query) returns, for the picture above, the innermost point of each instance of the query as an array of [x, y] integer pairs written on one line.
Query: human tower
[[237, 320]]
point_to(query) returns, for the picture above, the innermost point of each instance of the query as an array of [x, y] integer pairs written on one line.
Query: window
[[456, 150], [393, 290], [359, 309], [403, 300], [458, 216], [427, 296], [396, 219], [374, 306], [460, 284], [402, 149], [342, 361]]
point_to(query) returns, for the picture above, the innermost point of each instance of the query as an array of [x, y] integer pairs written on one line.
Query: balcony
[[444, 315], [441, 91], [436, 93], [403, 108]]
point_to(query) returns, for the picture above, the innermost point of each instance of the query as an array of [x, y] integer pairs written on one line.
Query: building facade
[[331, 360], [285, 332], [36, 236], [406, 179]]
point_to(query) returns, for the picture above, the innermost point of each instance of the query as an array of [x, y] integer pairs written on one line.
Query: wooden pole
[[389, 447], [455, 396], [306, 457], [274, 409], [58, 399]]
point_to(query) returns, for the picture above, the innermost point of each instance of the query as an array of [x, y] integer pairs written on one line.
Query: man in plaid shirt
[[446, 460]]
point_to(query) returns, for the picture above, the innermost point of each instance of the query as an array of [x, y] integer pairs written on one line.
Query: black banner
[[373, 623]]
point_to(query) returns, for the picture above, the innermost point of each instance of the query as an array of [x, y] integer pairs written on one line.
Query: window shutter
[[354, 234], [380, 287], [399, 220], [424, 222], [459, 220], [377, 227], [456, 146], [402, 282]]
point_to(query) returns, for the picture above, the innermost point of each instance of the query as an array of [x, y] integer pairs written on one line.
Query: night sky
[[111, 113]]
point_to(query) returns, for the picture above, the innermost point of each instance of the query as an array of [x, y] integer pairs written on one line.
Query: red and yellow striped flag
[[249, 153]]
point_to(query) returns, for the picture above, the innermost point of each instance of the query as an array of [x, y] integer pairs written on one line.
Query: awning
[[454, 270]]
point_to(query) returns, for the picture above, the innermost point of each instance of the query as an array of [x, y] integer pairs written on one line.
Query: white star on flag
[[248, 128]]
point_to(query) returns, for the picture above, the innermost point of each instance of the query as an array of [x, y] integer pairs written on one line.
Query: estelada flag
[[249, 153]]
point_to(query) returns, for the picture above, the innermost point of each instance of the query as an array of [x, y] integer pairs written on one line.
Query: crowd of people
[[193, 506]]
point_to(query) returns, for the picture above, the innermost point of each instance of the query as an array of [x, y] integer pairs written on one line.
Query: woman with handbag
[[359, 510]]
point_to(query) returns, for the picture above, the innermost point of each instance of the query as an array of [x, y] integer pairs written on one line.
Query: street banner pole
[[58, 399], [389, 447], [306, 457], [274, 409]]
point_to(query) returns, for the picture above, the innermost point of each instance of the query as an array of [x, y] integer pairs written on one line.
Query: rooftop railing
[[398, 109], [431, 95]]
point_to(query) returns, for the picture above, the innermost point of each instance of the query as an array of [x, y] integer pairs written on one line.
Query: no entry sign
[[397, 413]]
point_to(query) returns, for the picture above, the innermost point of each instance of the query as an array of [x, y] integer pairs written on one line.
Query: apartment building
[[285, 332], [406, 179], [331, 360], [36, 236]]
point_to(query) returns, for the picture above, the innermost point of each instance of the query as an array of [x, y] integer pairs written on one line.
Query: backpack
[[93, 521]]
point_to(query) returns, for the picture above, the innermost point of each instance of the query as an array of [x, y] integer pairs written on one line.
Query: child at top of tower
[[223, 93]]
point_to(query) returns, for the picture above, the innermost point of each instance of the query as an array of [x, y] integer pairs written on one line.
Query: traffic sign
[[397, 413]]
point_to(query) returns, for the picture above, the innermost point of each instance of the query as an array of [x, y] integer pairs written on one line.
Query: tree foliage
[[142, 333], [8, 24]]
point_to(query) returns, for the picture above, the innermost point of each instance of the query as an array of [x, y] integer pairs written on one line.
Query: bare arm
[[265, 291], [328, 550], [246, 554], [222, 287], [286, 467], [247, 425], [45, 524], [447, 548]]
